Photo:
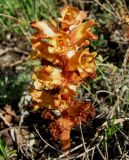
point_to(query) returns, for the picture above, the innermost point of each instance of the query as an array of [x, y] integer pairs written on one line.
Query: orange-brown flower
[[79, 112], [41, 51], [45, 29], [81, 33], [65, 98], [42, 98], [82, 61], [71, 16], [47, 77]]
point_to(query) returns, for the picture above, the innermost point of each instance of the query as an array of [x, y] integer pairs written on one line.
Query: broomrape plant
[[62, 48]]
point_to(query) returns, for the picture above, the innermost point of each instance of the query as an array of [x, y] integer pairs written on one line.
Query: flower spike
[[66, 61]]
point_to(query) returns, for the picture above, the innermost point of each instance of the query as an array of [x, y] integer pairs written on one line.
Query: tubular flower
[[82, 61], [42, 98], [47, 77], [64, 98], [71, 16], [65, 63]]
